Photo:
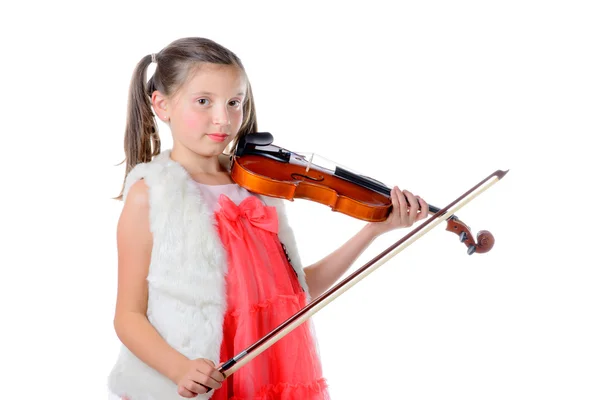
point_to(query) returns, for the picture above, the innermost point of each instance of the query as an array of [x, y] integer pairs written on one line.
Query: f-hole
[[300, 177]]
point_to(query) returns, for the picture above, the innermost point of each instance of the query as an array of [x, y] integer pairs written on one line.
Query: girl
[[203, 266]]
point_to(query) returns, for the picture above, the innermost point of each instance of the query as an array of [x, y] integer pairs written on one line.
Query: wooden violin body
[[289, 181]]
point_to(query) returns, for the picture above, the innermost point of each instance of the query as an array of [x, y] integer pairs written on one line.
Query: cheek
[[236, 119], [191, 120]]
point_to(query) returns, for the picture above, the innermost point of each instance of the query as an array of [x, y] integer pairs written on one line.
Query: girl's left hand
[[404, 213]]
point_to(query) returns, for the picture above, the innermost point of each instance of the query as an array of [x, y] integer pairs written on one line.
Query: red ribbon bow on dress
[[250, 208]]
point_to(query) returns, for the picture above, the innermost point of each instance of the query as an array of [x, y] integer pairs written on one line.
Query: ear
[[160, 105]]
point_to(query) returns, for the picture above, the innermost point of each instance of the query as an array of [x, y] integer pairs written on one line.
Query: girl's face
[[206, 113]]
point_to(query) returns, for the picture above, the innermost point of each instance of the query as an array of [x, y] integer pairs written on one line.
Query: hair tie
[[153, 57]]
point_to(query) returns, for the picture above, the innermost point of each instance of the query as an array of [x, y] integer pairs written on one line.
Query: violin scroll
[[483, 244]]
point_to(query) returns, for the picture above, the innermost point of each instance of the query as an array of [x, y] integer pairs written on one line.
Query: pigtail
[[142, 142]]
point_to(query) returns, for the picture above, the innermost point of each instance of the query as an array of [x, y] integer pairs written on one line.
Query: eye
[[234, 103], [203, 102]]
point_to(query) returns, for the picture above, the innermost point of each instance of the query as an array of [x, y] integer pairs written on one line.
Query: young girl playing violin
[[203, 267]]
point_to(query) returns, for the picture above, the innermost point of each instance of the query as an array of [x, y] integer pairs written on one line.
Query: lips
[[217, 137]]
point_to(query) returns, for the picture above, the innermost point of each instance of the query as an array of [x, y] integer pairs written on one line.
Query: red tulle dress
[[262, 292]]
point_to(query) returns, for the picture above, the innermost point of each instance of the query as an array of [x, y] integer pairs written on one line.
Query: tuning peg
[[471, 249]]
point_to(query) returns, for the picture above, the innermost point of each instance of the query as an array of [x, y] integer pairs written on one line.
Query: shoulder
[[151, 171], [134, 222], [136, 205], [137, 174], [138, 194]]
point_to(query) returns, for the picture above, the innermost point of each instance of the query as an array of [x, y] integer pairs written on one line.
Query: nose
[[221, 117]]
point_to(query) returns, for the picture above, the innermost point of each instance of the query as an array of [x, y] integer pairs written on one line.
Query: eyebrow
[[212, 94]]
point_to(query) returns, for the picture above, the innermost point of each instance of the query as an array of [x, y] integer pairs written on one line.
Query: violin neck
[[363, 181], [370, 183]]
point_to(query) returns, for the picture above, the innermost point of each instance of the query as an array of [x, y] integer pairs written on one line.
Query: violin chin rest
[[259, 138]]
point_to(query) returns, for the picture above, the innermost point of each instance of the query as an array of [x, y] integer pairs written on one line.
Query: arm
[[134, 243], [321, 275]]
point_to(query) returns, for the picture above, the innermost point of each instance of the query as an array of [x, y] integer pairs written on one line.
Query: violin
[[263, 168]]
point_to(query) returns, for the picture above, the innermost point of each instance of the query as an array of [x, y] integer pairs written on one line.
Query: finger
[[424, 209], [221, 371], [208, 368], [207, 380], [216, 375], [413, 207], [394, 198], [184, 392], [199, 388], [402, 207], [202, 384]]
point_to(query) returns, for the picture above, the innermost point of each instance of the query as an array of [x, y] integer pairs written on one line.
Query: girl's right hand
[[198, 377]]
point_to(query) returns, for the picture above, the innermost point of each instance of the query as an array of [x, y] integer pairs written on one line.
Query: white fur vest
[[186, 278]]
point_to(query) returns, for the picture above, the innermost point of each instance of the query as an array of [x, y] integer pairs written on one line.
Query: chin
[[207, 151]]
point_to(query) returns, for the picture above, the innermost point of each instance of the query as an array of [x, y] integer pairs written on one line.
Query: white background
[[432, 96]]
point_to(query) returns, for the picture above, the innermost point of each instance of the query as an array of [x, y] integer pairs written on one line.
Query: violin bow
[[244, 357]]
